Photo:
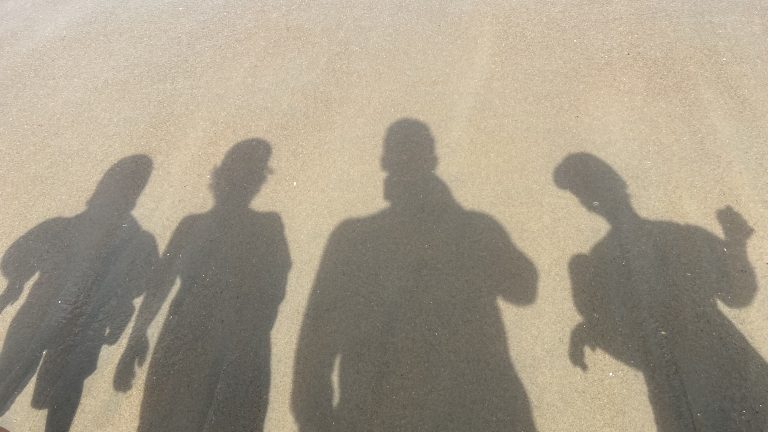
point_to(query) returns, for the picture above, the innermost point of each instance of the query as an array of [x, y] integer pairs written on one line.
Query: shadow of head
[[120, 187], [242, 173], [409, 158], [599, 188]]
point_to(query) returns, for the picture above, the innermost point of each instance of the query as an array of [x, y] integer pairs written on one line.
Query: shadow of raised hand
[[735, 227]]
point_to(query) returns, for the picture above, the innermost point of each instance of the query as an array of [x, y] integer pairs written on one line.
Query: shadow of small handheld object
[[735, 227]]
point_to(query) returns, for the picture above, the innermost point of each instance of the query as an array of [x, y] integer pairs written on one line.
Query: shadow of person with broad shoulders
[[210, 369], [404, 307], [648, 293], [89, 267]]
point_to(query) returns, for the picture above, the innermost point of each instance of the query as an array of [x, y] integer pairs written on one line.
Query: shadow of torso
[[88, 276], [211, 367], [407, 303], [649, 293]]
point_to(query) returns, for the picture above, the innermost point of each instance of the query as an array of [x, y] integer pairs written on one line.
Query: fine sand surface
[[672, 95]]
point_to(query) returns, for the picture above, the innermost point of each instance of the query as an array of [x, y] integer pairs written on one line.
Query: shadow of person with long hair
[[404, 307], [210, 369], [89, 267], [648, 293]]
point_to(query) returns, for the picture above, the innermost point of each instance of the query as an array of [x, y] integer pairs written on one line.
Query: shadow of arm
[[23, 258], [320, 339], [143, 260], [511, 272], [159, 285], [586, 302], [279, 264]]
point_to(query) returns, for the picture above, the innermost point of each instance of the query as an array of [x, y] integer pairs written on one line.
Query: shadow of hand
[[134, 356], [735, 227], [577, 345]]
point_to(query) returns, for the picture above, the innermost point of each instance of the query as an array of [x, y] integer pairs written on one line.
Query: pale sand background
[[674, 95]]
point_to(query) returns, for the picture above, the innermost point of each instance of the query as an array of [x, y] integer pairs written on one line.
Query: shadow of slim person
[[90, 268], [210, 370], [648, 293], [405, 303]]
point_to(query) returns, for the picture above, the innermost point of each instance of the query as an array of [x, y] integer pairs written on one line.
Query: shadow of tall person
[[210, 370], [648, 293], [89, 267], [404, 306]]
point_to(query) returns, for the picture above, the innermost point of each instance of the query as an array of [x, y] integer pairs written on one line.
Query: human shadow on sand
[[89, 268], [649, 295], [404, 312], [210, 369]]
